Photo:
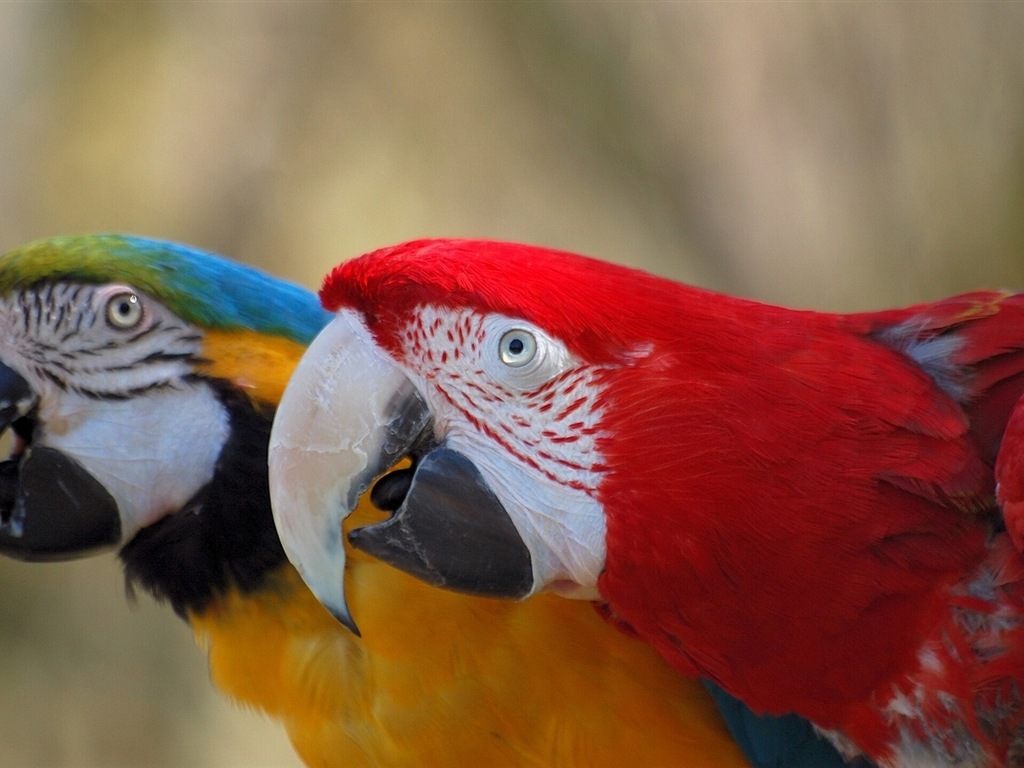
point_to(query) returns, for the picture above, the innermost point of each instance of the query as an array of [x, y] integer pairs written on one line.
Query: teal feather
[[770, 741]]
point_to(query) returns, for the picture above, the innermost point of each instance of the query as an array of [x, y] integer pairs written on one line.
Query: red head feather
[[793, 499]]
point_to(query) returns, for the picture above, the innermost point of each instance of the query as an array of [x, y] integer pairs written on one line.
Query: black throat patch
[[224, 536]]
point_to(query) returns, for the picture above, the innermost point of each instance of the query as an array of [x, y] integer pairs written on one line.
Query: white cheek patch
[[152, 453], [531, 429]]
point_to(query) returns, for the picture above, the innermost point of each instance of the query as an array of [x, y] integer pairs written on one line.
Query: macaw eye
[[124, 310], [526, 357], [517, 347]]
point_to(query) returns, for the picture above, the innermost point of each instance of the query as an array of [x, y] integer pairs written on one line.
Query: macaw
[[139, 379], [801, 507]]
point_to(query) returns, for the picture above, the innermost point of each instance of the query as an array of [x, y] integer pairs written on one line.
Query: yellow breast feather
[[444, 679]]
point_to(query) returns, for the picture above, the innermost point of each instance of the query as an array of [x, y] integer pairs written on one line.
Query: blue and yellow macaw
[[139, 379]]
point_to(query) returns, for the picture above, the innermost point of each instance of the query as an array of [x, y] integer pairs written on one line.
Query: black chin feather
[[224, 536]]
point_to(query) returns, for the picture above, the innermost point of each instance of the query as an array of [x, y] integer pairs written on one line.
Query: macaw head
[[489, 365], [123, 362]]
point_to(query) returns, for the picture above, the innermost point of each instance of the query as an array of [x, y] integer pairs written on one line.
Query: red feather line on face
[[798, 504]]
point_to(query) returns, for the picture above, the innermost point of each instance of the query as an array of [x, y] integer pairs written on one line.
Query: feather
[[800, 506]]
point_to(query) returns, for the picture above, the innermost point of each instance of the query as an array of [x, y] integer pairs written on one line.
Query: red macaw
[[800, 506]]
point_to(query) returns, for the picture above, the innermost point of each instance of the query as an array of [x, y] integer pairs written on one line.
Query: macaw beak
[[51, 508], [348, 414]]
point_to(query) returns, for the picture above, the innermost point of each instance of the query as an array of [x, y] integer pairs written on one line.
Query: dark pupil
[[515, 346], [124, 307]]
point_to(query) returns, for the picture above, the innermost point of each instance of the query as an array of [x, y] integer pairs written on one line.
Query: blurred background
[[835, 156]]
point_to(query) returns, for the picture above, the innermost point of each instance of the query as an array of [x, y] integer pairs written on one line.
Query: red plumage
[[800, 506]]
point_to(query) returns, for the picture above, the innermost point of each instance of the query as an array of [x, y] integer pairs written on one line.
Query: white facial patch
[[525, 410], [111, 367], [152, 453]]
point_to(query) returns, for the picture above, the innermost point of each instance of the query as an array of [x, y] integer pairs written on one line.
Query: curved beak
[[51, 508], [348, 414]]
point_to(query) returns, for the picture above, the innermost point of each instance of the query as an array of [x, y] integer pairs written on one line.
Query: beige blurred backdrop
[[836, 156]]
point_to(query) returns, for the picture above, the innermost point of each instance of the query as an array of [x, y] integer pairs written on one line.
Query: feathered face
[[457, 360], [86, 364], [104, 386], [502, 390]]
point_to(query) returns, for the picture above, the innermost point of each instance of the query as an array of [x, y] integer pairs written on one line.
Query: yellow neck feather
[[441, 678]]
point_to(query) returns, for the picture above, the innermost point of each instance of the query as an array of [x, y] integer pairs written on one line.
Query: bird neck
[[224, 537]]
